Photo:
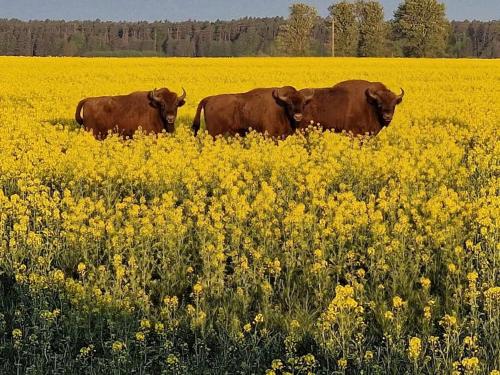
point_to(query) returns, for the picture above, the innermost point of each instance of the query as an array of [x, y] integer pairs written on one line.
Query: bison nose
[[298, 117], [170, 119]]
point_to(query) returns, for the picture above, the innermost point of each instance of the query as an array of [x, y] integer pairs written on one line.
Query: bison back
[[257, 109], [122, 114]]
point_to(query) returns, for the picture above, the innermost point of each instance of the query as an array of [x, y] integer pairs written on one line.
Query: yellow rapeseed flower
[[58, 276], [159, 327], [197, 288], [427, 312], [117, 346], [471, 363], [277, 364], [472, 277], [414, 348], [342, 363], [259, 318], [81, 268], [448, 321], [145, 324], [397, 302], [17, 334], [425, 282], [389, 315]]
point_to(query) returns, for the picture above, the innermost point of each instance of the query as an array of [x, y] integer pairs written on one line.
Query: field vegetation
[[319, 254]]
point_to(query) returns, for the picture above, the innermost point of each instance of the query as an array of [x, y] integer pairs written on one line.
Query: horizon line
[[195, 20]]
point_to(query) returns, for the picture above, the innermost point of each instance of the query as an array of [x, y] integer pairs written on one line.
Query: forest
[[241, 37]]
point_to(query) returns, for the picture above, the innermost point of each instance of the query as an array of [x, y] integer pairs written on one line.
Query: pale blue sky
[[175, 10]]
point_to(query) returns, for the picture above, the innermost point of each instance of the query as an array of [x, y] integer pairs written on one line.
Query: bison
[[154, 111], [358, 107], [275, 111]]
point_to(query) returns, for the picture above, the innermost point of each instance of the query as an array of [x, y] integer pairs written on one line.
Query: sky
[[176, 10]]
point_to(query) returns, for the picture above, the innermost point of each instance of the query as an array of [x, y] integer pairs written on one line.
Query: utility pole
[[333, 35], [156, 46]]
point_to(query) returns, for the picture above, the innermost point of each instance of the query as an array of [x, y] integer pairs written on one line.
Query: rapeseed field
[[318, 254]]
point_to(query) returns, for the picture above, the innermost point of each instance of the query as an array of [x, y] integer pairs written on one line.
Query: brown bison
[[358, 107], [275, 111], [154, 111]]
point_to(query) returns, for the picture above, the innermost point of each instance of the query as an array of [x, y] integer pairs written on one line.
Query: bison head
[[167, 103], [385, 102], [294, 101]]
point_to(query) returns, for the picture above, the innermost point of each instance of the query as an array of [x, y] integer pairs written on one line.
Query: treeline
[[475, 39], [360, 31], [247, 36]]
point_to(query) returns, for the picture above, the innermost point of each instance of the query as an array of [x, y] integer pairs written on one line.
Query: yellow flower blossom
[[277, 364], [159, 327], [58, 276], [414, 348], [472, 277], [81, 268], [470, 363], [172, 359], [427, 312], [259, 318], [17, 334], [117, 346], [197, 288], [342, 363], [448, 321], [294, 324], [397, 302], [247, 327], [145, 324], [425, 282]]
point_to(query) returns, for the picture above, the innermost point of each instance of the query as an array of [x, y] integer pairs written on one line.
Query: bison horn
[[308, 94], [154, 97], [278, 94], [400, 96], [371, 95], [183, 96]]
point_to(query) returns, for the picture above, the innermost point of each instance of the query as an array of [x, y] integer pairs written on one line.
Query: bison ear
[[371, 96], [154, 98]]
